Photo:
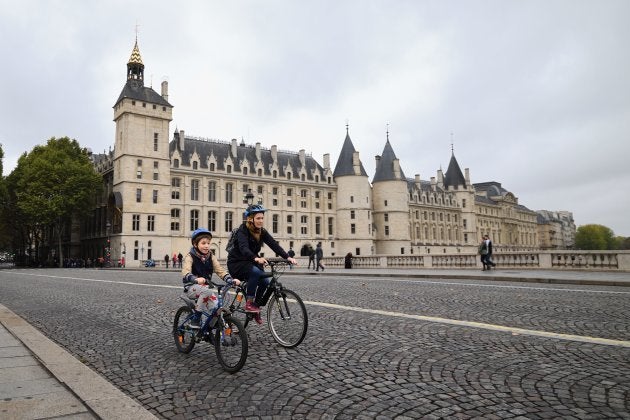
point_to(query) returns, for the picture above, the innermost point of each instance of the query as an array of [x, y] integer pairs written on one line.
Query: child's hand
[[201, 280], [237, 282]]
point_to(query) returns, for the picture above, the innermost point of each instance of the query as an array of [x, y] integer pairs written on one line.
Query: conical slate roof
[[453, 176], [344, 163], [385, 169]]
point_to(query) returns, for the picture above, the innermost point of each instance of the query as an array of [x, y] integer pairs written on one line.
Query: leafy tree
[[622, 242], [55, 183], [594, 237], [5, 235]]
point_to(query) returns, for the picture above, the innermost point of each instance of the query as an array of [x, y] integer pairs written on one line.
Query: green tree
[[55, 183], [594, 237], [5, 236]]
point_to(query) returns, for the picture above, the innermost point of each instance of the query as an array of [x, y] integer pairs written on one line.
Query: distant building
[[158, 190], [556, 229]]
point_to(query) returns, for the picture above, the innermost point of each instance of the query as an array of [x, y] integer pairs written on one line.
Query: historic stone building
[[157, 190]]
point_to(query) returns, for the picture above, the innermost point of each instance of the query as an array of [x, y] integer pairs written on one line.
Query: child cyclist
[[197, 269]]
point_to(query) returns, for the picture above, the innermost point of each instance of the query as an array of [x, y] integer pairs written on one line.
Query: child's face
[[204, 245]]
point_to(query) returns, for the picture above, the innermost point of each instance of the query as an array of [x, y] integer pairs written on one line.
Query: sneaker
[[195, 323], [258, 318], [251, 307]]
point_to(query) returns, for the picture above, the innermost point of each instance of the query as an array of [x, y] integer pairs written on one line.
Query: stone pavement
[[39, 379]]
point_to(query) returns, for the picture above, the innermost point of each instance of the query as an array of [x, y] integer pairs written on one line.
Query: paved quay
[[39, 379]]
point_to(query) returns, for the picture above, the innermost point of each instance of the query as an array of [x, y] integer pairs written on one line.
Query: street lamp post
[[108, 250]]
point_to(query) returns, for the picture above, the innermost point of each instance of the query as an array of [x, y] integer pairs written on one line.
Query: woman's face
[[259, 219]]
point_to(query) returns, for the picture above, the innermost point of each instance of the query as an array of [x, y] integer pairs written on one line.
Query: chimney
[[440, 178], [356, 163], [274, 153], [396, 164], [258, 151], [181, 140], [234, 147], [377, 161], [433, 183], [326, 161], [417, 181], [303, 158], [165, 90], [467, 176]]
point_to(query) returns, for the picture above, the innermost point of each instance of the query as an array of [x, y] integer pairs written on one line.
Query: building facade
[[158, 189]]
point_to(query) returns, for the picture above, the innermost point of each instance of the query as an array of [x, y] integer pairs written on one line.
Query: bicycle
[[287, 318], [219, 328]]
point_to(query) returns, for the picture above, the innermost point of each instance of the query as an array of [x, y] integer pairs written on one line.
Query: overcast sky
[[532, 94]]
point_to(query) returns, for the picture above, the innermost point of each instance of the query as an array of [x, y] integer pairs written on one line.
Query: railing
[[556, 260]]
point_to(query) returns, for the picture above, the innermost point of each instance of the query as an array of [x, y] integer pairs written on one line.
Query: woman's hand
[[292, 260], [260, 260]]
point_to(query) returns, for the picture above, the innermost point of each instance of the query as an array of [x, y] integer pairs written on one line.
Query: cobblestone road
[[353, 363]]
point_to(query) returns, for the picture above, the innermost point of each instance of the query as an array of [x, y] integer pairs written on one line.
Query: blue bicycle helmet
[[253, 209], [198, 232]]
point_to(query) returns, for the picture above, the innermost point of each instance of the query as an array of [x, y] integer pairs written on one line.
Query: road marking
[[448, 283], [471, 324]]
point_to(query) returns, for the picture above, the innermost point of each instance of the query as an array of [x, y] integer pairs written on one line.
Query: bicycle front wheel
[[182, 333], [231, 345], [287, 318]]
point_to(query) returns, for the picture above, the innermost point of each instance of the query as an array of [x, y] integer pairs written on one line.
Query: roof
[[345, 164], [221, 150], [135, 90], [453, 176], [385, 168]]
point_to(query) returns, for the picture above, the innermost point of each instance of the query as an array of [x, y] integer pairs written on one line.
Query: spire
[[346, 162], [453, 176], [135, 67], [388, 164]]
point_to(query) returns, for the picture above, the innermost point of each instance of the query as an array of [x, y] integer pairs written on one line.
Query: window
[[386, 230], [212, 167], [194, 219], [150, 223], [386, 217], [135, 250], [352, 198], [464, 221], [245, 170], [303, 193], [194, 190], [155, 139], [135, 222], [274, 191], [176, 163], [155, 196], [274, 223], [195, 165], [229, 187], [139, 163], [138, 195], [149, 250], [331, 222], [228, 221], [385, 203], [464, 203], [274, 174], [155, 164], [353, 228], [289, 203], [304, 230], [155, 176], [318, 226], [303, 219], [212, 191], [275, 201], [175, 195], [259, 189], [212, 220], [139, 174], [352, 214], [229, 169]]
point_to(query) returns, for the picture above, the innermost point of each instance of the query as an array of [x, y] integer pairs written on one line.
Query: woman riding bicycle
[[245, 263]]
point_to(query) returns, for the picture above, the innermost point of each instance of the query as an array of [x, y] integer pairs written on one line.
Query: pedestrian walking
[[319, 256]]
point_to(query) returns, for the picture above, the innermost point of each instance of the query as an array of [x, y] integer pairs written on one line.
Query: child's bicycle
[[286, 314], [219, 328]]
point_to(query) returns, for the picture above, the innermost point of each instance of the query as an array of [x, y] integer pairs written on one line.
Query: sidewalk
[[39, 379]]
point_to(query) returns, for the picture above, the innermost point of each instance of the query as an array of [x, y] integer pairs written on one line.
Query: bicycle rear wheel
[[231, 345], [287, 318], [182, 333]]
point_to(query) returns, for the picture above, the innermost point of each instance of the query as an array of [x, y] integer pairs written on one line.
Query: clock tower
[[141, 176]]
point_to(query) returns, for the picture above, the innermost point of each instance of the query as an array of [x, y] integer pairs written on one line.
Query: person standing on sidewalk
[[319, 256], [488, 242]]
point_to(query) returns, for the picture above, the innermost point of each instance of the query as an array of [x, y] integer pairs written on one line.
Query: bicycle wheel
[[287, 318], [182, 333], [231, 345]]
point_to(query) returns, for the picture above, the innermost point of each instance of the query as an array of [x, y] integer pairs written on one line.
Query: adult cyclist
[[244, 261]]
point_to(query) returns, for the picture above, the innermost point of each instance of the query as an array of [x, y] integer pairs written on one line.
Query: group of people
[[244, 262], [175, 260], [316, 257], [485, 253]]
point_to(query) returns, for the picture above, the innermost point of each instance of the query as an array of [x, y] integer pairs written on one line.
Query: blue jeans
[[256, 285]]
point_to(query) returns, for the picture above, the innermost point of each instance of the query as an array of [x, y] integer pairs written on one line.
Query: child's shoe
[[251, 307], [195, 323]]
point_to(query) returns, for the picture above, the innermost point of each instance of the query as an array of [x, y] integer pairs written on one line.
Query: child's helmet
[[197, 233], [253, 209]]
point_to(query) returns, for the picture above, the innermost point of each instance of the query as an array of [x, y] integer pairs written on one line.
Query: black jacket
[[241, 260]]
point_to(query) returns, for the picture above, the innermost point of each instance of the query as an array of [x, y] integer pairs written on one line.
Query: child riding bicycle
[[197, 269]]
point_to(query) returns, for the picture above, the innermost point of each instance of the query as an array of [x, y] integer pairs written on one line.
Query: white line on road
[[471, 324]]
